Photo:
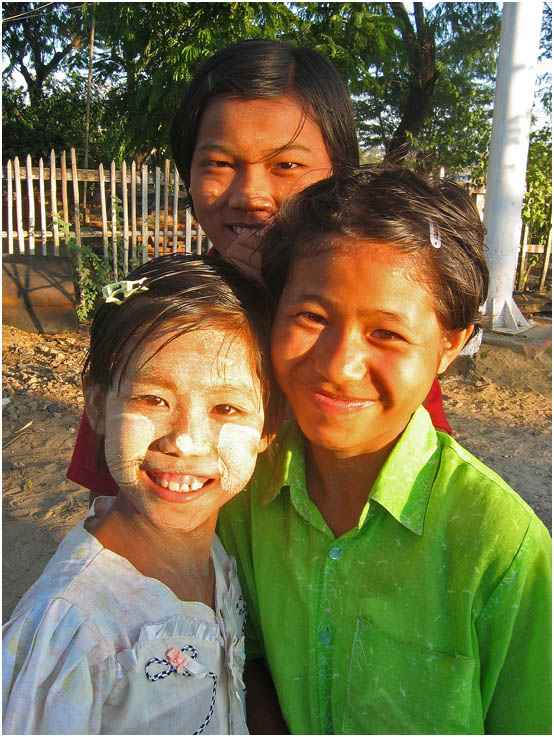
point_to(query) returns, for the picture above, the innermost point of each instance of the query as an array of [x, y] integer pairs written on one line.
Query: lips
[[182, 483], [337, 404], [177, 487]]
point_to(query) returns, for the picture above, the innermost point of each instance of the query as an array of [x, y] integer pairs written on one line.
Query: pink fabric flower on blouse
[[176, 658]]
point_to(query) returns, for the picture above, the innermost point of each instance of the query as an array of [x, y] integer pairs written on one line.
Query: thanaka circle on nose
[[184, 443]]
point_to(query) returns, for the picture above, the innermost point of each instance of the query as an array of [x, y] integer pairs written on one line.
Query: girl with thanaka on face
[[135, 626], [260, 121], [396, 584]]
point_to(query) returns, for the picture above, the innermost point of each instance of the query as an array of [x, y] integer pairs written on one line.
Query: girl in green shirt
[[396, 584]]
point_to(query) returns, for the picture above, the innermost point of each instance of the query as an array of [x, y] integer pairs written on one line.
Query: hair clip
[[125, 288], [434, 235]]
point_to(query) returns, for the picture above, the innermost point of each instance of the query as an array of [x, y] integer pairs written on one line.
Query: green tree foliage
[[453, 124], [417, 79], [41, 39], [457, 135], [537, 206], [149, 52], [46, 46], [54, 121], [422, 82]]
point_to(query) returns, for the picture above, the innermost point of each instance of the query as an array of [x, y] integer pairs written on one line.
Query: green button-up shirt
[[431, 616]]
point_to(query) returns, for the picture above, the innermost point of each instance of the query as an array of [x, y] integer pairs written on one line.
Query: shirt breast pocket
[[395, 687]]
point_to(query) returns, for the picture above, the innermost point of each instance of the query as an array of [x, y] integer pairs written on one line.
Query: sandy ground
[[501, 412]]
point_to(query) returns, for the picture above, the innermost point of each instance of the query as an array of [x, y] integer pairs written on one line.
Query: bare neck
[[339, 485], [180, 560]]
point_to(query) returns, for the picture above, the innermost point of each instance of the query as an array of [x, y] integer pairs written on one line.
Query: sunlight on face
[[250, 156], [356, 345]]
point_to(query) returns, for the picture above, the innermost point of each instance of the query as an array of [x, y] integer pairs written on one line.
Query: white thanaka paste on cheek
[[237, 448], [127, 439]]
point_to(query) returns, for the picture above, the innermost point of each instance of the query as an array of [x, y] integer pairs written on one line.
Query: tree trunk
[[420, 50]]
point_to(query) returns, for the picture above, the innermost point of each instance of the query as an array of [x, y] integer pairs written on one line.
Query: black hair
[[257, 68], [184, 293], [388, 205]]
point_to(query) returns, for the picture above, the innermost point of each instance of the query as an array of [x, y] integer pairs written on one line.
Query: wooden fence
[[120, 212]]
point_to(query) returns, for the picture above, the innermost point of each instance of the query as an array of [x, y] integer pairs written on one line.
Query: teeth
[[238, 229], [186, 483]]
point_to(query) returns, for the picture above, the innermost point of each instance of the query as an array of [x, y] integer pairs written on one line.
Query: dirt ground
[[501, 412]]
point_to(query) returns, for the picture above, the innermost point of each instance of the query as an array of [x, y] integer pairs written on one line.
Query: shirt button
[[335, 553], [326, 636]]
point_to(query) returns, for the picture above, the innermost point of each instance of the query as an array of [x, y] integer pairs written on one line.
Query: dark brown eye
[[226, 410], [386, 335], [152, 400]]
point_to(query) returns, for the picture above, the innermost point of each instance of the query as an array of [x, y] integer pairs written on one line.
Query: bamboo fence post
[[175, 207], [114, 220], [42, 204], [125, 217], [198, 238], [144, 195], [134, 213], [9, 194], [31, 205], [54, 204], [104, 214], [18, 205], [188, 231], [522, 257], [157, 215], [65, 207], [547, 255], [76, 198], [166, 205]]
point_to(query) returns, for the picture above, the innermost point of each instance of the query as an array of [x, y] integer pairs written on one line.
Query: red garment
[[84, 470], [433, 405]]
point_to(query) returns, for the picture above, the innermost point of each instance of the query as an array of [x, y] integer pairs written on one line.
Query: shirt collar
[[287, 464], [404, 483]]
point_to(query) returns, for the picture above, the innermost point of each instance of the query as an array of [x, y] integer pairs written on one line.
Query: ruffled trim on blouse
[[178, 626]]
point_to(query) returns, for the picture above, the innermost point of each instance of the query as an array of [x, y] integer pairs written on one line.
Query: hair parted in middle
[[390, 205], [262, 68], [184, 293]]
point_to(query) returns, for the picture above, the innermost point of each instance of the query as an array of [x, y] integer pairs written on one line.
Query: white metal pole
[[515, 84]]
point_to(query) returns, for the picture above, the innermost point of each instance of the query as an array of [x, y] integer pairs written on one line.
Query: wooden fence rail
[[125, 216], [125, 219]]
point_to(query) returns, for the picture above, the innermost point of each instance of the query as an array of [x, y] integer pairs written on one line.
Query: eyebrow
[[269, 153], [145, 375], [329, 303]]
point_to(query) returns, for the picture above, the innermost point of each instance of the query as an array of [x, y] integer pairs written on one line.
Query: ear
[[265, 442], [453, 343], [95, 405]]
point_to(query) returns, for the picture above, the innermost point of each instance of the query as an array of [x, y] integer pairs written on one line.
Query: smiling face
[[356, 345], [183, 431], [250, 156]]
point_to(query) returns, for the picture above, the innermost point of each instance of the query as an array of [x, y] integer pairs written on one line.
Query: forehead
[[210, 355], [360, 274], [260, 124]]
